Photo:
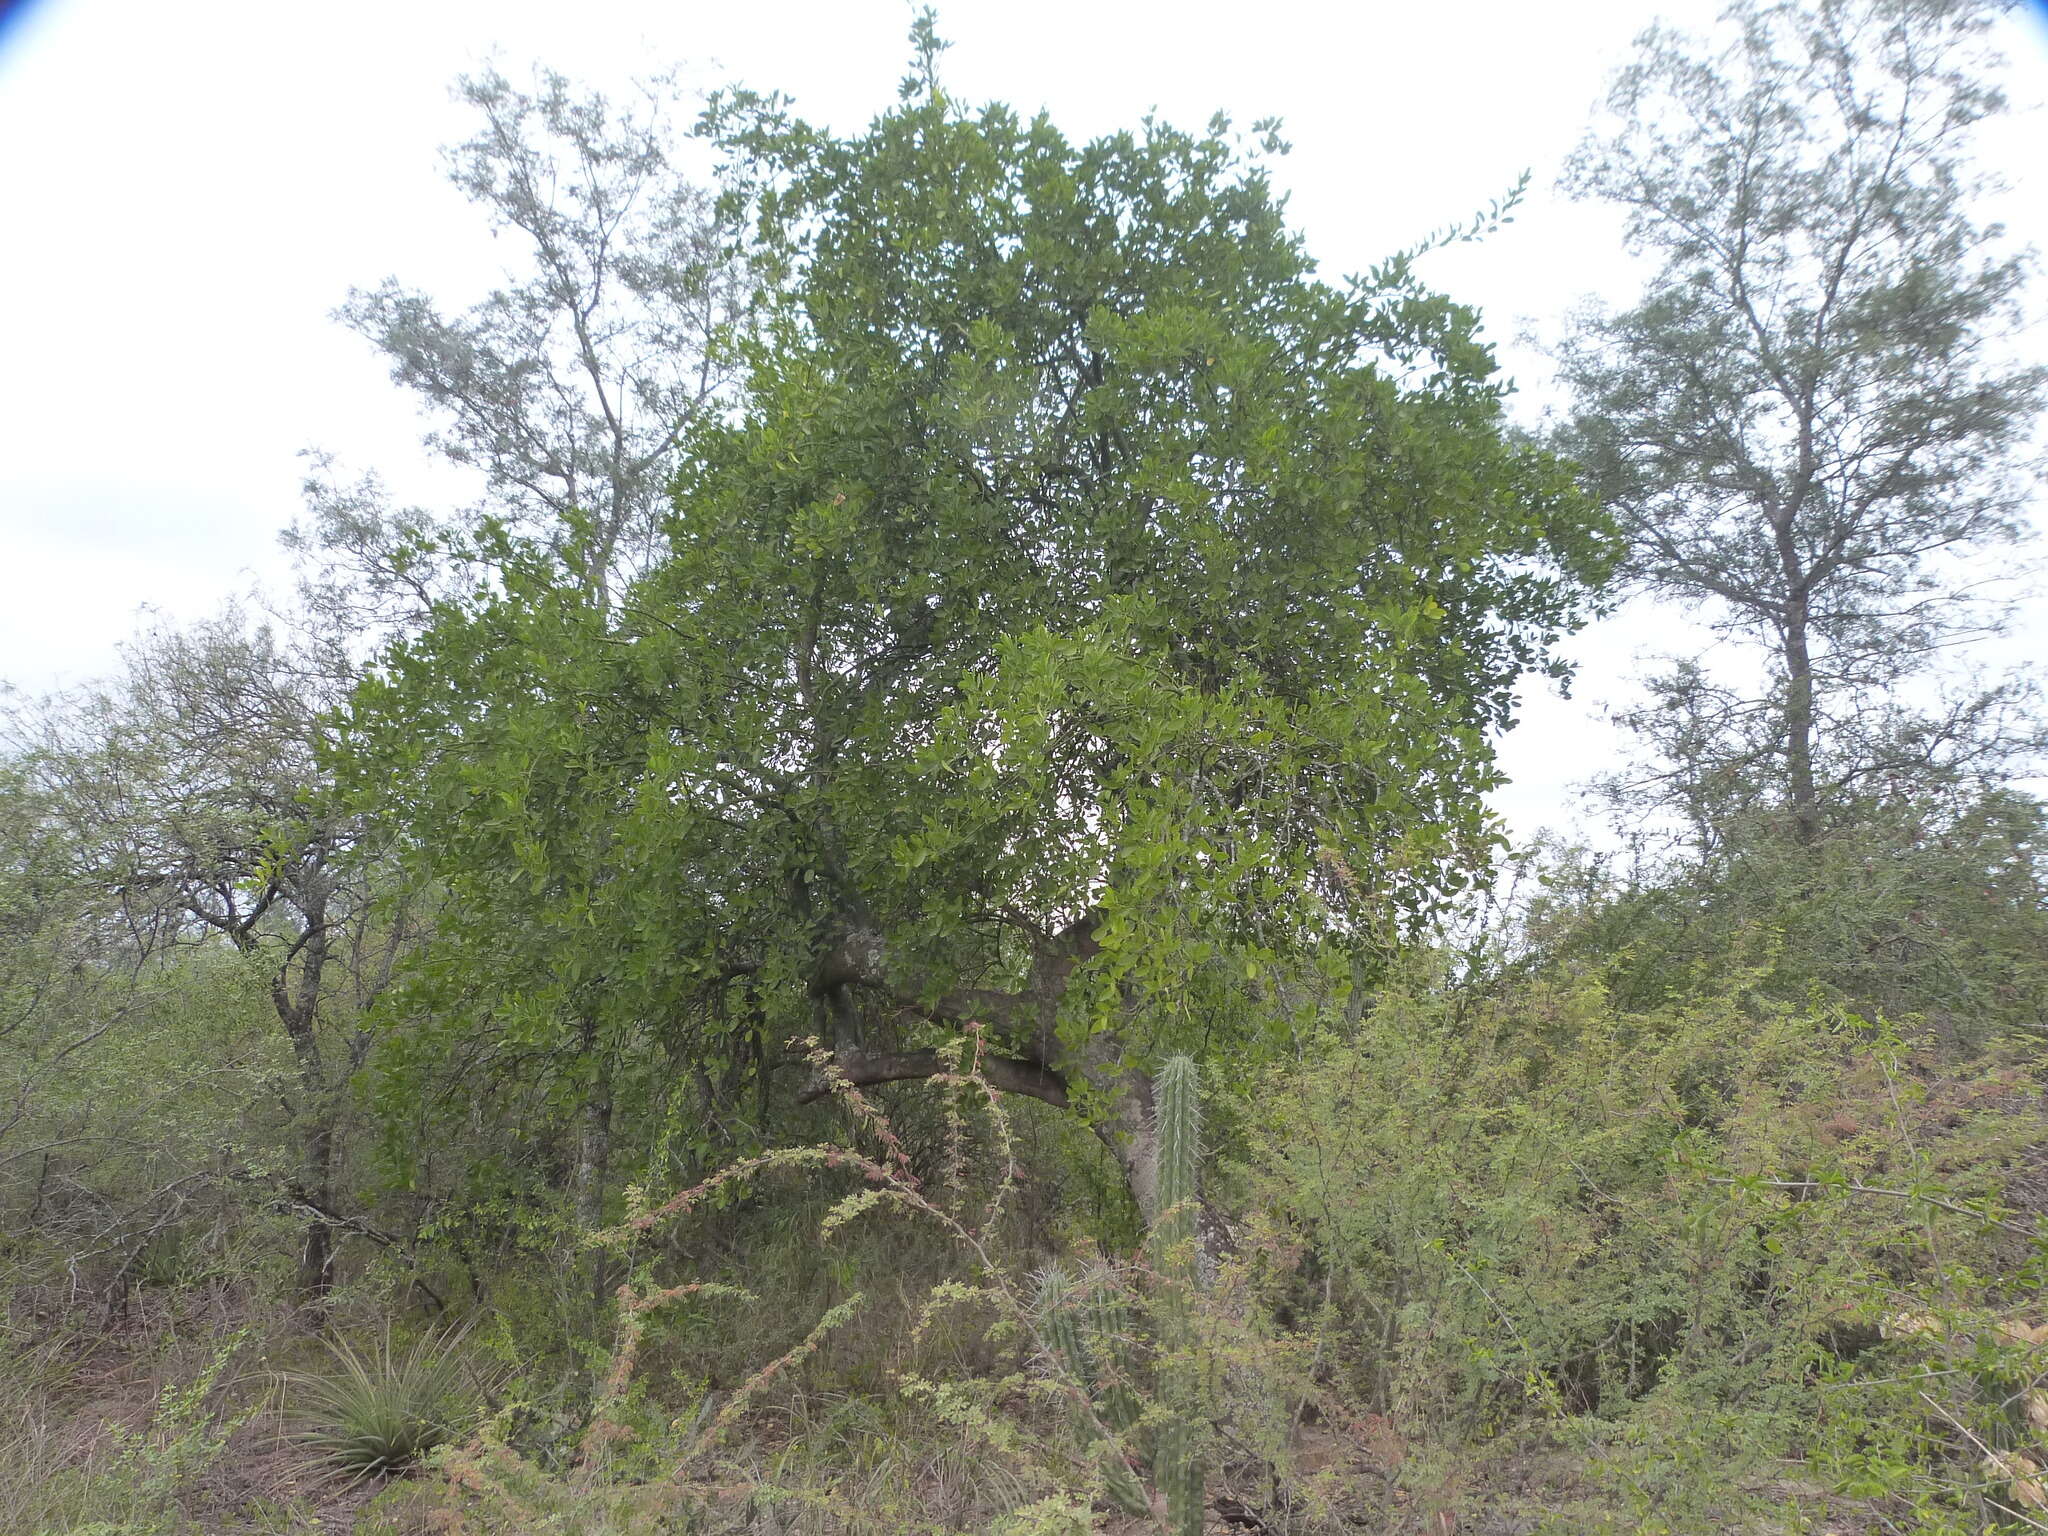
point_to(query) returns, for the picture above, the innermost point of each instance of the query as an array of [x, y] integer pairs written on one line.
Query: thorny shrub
[[1518, 1255], [1744, 1261], [1038, 1446]]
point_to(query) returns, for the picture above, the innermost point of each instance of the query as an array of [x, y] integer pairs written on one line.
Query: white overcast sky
[[187, 191]]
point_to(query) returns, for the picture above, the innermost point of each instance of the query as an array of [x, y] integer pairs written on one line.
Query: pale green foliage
[[640, 1465], [1932, 907], [1672, 1237], [1808, 426], [131, 1482], [141, 1132], [1115, 1352], [194, 837], [568, 390]]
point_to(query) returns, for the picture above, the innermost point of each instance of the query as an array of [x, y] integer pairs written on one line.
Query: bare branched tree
[[191, 808], [1809, 427], [570, 388]]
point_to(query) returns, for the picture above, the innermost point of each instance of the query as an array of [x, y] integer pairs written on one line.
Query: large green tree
[[1087, 617], [1808, 427]]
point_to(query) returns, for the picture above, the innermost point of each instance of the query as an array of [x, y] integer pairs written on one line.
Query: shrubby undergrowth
[[1678, 1241], [1495, 1250], [1515, 1256], [459, 1050]]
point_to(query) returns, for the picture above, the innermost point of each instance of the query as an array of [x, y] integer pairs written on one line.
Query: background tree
[[191, 804], [571, 388], [75, 987], [139, 1137], [1808, 426], [1084, 616]]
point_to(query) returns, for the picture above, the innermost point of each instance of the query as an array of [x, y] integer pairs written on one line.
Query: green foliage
[[1676, 1238], [369, 1413], [188, 817], [646, 1457], [1067, 667], [1082, 602], [1930, 907], [1065, 1349], [186, 1433], [144, 1144]]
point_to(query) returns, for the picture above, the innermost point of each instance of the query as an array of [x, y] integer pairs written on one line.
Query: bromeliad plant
[[383, 1409]]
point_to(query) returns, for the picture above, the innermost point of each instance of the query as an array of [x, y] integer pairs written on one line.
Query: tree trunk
[[1127, 1131], [1024, 1022], [297, 1001], [1130, 1131], [593, 1166], [1799, 725], [316, 1256], [593, 1154]]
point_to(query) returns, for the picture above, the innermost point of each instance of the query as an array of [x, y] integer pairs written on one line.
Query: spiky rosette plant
[[380, 1410]]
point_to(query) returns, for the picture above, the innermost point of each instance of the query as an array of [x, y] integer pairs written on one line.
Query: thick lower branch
[[1023, 1020], [1006, 1073]]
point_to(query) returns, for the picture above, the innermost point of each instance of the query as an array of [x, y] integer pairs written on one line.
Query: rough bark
[[295, 995], [1799, 726], [1023, 1023], [593, 1164], [1007, 1074]]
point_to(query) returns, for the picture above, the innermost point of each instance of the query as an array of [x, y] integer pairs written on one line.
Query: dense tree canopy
[[1087, 611]]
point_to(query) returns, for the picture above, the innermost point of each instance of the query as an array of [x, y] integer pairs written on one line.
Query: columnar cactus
[[1089, 1336], [1177, 1121], [1115, 1405]]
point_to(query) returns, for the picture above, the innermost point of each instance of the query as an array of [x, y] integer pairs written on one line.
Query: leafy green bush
[[1929, 906]]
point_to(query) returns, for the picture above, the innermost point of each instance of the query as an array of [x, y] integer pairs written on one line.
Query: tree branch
[[1007, 1073]]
